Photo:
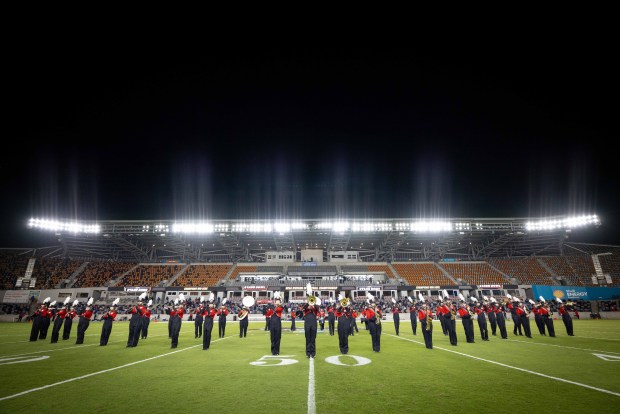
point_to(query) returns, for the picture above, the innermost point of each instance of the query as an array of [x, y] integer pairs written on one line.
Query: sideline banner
[[575, 292]]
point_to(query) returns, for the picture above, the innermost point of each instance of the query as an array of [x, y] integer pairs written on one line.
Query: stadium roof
[[374, 239]]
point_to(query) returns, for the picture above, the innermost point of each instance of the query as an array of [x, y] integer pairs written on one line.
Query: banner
[[20, 296], [575, 292]]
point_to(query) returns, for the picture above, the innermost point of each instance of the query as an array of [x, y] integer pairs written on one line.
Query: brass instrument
[[429, 321], [378, 314], [344, 302], [244, 313], [453, 314], [311, 300]]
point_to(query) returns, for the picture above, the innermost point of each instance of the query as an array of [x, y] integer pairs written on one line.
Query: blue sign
[[575, 292]]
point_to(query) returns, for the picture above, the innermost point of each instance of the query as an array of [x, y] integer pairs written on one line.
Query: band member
[[413, 317], [447, 316], [198, 321], [524, 317], [568, 321], [482, 321], [171, 312], [540, 324], [512, 307], [331, 320], [310, 325], [275, 326], [373, 316], [353, 322], [322, 319], [468, 325], [209, 315], [37, 318], [501, 322], [221, 322], [546, 314], [426, 323], [396, 316], [342, 314], [83, 325], [243, 316], [267, 319], [492, 320], [106, 329], [66, 332], [146, 321], [177, 321], [45, 322], [59, 318], [135, 324], [293, 320]]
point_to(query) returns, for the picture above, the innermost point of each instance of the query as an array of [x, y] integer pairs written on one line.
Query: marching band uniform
[[343, 329], [548, 320], [413, 315], [501, 322], [468, 324], [135, 325], [449, 321], [45, 324], [310, 313], [221, 322], [146, 321], [198, 321], [37, 317], [209, 315], [322, 320], [442, 312], [275, 327], [568, 321], [177, 321], [396, 316], [171, 311], [267, 321], [68, 323], [58, 320], [524, 318], [427, 325], [373, 316], [482, 322], [243, 321], [106, 329], [515, 318], [293, 321], [539, 320], [353, 322], [490, 310], [83, 325], [331, 319]]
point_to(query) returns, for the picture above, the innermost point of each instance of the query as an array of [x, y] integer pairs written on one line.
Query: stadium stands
[[242, 269], [475, 273], [12, 266], [101, 273], [382, 268], [527, 270], [50, 272], [149, 275], [610, 264], [422, 274], [202, 275]]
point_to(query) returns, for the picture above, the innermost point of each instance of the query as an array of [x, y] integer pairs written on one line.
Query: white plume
[[224, 301], [276, 295], [340, 297], [461, 297], [90, 301], [142, 295], [369, 296], [76, 302], [47, 299], [559, 300], [309, 289], [202, 299], [445, 294], [508, 295], [531, 301], [420, 296], [116, 301], [181, 297], [493, 299], [541, 299], [176, 301], [485, 298], [473, 298], [393, 300], [67, 299], [53, 303], [211, 297], [150, 302], [410, 300]]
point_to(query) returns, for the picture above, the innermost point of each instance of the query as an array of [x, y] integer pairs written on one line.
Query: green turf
[[404, 377]]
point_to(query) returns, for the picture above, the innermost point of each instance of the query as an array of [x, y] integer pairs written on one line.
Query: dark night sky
[[308, 134]]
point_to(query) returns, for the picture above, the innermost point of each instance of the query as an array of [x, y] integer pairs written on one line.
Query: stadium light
[[563, 223], [193, 228], [60, 226], [431, 226]]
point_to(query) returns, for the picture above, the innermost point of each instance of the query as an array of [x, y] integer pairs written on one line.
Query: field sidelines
[[563, 346], [92, 374], [311, 398], [511, 367]]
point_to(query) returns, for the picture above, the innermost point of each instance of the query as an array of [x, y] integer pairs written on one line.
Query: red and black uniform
[[525, 320], [293, 328], [243, 315], [171, 312], [568, 321], [342, 315], [209, 314], [396, 317], [221, 322], [106, 329], [501, 321], [198, 321], [352, 323], [310, 314], [275, 328], [177, 321], [539, 320], [426, 316], [492, 320], [45, 323], [373, 315], [413, 316], [135, 325], [444, 314], [548, 320], [482, 322], [68, 324], [322, 319], [58, 320], [512, 307], [331, 320], [146, 321], [468, 324], [83, 325], [449, 322], [37, 318]]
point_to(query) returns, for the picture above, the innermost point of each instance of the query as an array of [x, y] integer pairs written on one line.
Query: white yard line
[[311, 400], [102, 372], [563, 346], [515, 368]]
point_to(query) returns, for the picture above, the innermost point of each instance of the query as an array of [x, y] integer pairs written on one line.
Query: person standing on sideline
[[83, 324], [222, 313], [568, 321], [106, 329]]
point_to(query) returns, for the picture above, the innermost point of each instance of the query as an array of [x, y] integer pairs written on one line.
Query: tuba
[[344, 302], [311, 300]]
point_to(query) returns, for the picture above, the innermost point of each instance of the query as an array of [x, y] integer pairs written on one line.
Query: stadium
[[394, 263]]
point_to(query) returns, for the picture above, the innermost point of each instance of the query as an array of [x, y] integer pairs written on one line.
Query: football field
[[572, 374]]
